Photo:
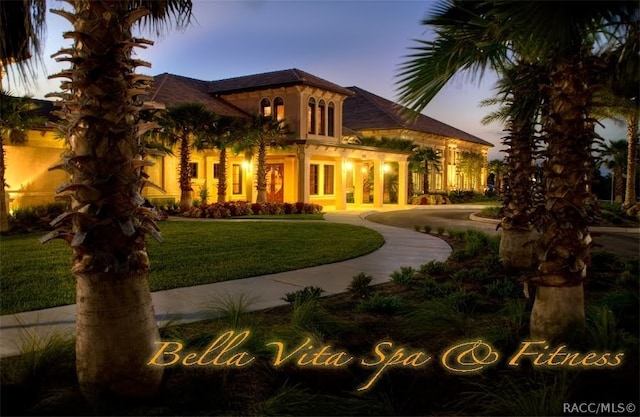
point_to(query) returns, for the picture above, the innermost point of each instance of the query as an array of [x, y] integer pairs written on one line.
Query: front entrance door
[[275, 183]]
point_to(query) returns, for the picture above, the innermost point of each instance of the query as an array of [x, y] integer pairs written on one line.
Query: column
[[341, 183], [403, 182], [357, 182], [378, 183], [302, 160]]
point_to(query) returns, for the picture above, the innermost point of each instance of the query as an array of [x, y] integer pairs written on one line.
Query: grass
[[430, 314], [282, 217], [193, 253]]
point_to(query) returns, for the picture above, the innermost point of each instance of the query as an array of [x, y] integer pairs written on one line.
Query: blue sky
[[359, 43]]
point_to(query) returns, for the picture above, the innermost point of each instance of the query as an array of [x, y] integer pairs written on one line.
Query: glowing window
[[311, 116], [322, 117], [265, 107], [331, 120], [278, 107]]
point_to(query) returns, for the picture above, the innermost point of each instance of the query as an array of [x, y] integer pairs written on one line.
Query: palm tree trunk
[[518, 237], [106, 225], [425, 178], [186, 198], [565, 244], [113, 311], [222, 176], [4, 219], [632, 159], [618, 184], [410, 186], [262, 173]]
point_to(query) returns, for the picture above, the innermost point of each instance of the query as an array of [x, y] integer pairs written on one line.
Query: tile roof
[[366, 110], [265, 80], [175, 89]]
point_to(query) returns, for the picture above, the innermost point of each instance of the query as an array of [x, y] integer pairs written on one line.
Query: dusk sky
[[350, 43]]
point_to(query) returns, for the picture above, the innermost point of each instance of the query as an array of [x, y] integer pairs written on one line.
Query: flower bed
[[243, 208]]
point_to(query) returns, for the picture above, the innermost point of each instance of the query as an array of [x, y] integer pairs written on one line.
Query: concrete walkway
[[402, 247]]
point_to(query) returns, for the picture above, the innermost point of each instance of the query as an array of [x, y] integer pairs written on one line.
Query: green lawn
[[35, 276]]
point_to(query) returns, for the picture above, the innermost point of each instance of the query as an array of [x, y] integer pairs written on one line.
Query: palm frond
[[22, 24]]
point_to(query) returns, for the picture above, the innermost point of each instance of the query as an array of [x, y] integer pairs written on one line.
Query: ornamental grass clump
[[403, 276], [360, 286]]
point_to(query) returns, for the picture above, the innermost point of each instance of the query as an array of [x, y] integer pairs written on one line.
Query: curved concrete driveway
[[622, 241], [402, 247]]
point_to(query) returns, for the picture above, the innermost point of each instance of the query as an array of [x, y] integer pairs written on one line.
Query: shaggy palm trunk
[[261, 179], [565, 243], [632, 159], [4, 219], [618, 184], [186, 191], [106, 225], [410, 187], [425, 178], [518, 237], [222, 176]]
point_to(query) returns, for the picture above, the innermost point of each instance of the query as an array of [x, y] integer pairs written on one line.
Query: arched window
[[331, 117], [278, 108], [311, 116], [322, 116], [265, 107]]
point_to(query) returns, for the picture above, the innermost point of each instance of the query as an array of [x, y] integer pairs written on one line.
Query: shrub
[[430, 199], [360, 286], [383, 304], [441, 230], [243, 208], [437, 289], [433, 268], [463, 301], [301, 296], [492, 263], [427, 229], [33, 218], [403, 276], [502, 288], [474, 275], [491, 212], [417, 228]]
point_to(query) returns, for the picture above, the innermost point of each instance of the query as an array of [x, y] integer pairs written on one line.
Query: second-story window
[[278, 108], [331, 117], [265, 107], [311, 116], [322, 117]]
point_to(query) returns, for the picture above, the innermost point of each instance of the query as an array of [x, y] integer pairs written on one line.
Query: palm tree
[[228, 132], [479, 35], [421, 161], [498, 168], [519, 93], [190, 125], [106, 225], [614, 156], [470, 165], [622, 80], [618, 100], [263, 132], [16, 117]]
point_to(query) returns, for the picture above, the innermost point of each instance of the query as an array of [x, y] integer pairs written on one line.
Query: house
[[323, 162], [29, 181]]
